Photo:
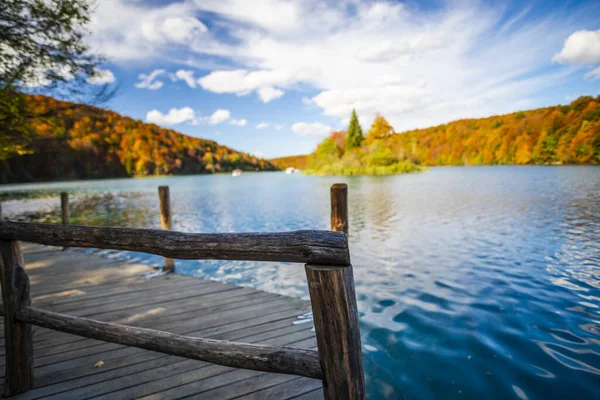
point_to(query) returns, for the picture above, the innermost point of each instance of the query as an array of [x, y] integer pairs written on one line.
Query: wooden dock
[[73, 367]]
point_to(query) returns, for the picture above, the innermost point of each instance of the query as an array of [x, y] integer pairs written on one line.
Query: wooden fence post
[[339, 208], [18, 337], [64, 207], [336, 324], [166, 222], [335, 315]]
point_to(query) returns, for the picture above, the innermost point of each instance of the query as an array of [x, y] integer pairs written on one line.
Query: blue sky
[[274, 77]]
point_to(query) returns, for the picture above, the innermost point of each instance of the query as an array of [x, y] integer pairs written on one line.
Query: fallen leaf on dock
[[99, 364]]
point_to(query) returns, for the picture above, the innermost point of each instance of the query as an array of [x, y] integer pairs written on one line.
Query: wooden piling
[[339, 208], [335, 315], [336, 324], [64, 207], [18, 336], [164, 199]]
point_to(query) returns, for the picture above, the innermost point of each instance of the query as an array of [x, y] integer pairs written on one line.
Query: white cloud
[[238, 122], [316, 129], [417, 66], [306, 101], [239, 82], [130, 30], [175, 29], [185, 75], [242, 82], [593, 74], [187, 114], [268, 93], [272, 15], [263, 125], [174, 116], [383, 51], [581, 47], [149, 81], [221, 115], [102, 77]]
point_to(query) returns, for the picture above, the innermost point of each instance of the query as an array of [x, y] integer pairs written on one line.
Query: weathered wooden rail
[[338, 361]]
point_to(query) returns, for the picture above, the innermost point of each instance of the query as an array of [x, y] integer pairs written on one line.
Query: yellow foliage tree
[[379, 129]]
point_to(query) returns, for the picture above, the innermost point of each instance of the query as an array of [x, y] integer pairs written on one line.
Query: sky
[[274, 78]]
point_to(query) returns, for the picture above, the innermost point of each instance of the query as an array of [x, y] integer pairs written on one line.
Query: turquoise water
[[472, 283]]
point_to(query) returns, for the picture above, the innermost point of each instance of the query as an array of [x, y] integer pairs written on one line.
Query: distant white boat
[[291, 170], [236, 172]]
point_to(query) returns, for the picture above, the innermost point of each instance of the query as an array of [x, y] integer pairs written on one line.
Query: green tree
[[41, 46], [354, 137]]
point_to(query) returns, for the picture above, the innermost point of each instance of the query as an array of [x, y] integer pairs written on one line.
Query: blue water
[[472, 283]]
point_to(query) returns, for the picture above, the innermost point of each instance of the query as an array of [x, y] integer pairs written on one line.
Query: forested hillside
[[75, 141], [298, 162], [567, 134]]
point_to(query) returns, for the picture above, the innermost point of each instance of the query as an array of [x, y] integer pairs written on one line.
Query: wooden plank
[[117, 385], [54, 345], [88, 347], [314, 395], [177, 321], [102, 347], [87, 362], [233, 389], [189, 306], [317, 247], [197, 381], [108, 372], [233, 354], [18, 337], [287, 390], [235, 331], [110, 291], [53, 384], [125, 301], [211, 325], [150, 319]]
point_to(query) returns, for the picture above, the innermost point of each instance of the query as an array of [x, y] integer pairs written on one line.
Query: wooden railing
[[338, 361]]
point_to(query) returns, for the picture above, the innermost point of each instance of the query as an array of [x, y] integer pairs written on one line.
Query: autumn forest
[[566, 134], [75, 141]]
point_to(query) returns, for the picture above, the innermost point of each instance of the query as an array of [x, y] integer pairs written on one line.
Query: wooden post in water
[[335, 315], [64, 207], [166, 222], [339, 207], [18, 337]]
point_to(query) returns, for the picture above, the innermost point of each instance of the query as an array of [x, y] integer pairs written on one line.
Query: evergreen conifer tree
[[354, 137]]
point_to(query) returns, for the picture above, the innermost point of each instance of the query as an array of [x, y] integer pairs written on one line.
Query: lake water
[[472, 283]]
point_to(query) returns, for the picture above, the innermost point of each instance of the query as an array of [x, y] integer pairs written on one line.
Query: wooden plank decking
[[113, 291]]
